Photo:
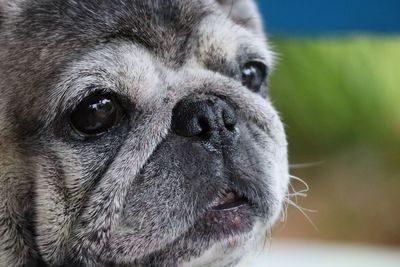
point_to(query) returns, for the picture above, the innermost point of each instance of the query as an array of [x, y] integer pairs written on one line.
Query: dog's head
[[136, 132]]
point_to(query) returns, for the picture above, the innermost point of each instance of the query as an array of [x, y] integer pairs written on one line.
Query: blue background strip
[[330, 16]]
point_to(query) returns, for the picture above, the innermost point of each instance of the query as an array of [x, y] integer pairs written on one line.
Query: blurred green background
[[339, 97]]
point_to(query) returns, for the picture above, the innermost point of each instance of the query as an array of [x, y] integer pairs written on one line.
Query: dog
[[136, 133]]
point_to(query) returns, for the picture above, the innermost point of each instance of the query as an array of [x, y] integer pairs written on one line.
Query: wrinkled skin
[[139, 194]]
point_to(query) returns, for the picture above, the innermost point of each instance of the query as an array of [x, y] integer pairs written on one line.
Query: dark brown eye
[[254, 75], [96, 114]]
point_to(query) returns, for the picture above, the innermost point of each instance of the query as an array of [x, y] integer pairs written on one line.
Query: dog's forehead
[[167, 28], [164, 27]]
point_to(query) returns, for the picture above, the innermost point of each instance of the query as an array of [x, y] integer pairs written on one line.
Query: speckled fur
[[132, 196]]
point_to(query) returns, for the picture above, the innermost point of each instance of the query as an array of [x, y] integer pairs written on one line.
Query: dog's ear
[[243, 12]]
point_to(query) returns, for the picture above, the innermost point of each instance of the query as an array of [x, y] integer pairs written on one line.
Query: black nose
[[208, 117]]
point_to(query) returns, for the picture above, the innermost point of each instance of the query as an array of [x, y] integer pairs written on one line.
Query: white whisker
[[291, 198], [304, 212], [305, 165]]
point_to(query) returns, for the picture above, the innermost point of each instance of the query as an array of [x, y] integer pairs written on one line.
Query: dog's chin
[[220, 235], [230, 249], [232, 226], [226, 231]]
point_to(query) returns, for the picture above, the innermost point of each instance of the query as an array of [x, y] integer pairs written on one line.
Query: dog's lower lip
[[229, 200], [230, 214]]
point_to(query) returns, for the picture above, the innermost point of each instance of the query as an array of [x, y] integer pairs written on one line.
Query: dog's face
[[136, 133]]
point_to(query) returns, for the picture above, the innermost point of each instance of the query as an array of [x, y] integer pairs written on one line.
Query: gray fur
[[133, 196]]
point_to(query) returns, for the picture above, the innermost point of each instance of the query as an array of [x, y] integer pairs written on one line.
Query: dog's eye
[[254, 75], [96, 114]]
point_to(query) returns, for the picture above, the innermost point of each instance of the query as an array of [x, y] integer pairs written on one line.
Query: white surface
[[313, 254]]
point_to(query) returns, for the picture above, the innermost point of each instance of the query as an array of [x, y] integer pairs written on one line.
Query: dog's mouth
[[229, 200], [230, 214]]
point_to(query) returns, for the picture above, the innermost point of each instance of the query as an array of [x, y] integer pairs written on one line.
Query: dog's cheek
[[51, 204], [272, 146], [17, 224], [65, 177]]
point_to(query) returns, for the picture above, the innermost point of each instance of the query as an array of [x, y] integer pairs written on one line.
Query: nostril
[[230, 127], [229, 118], [205, 126]]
